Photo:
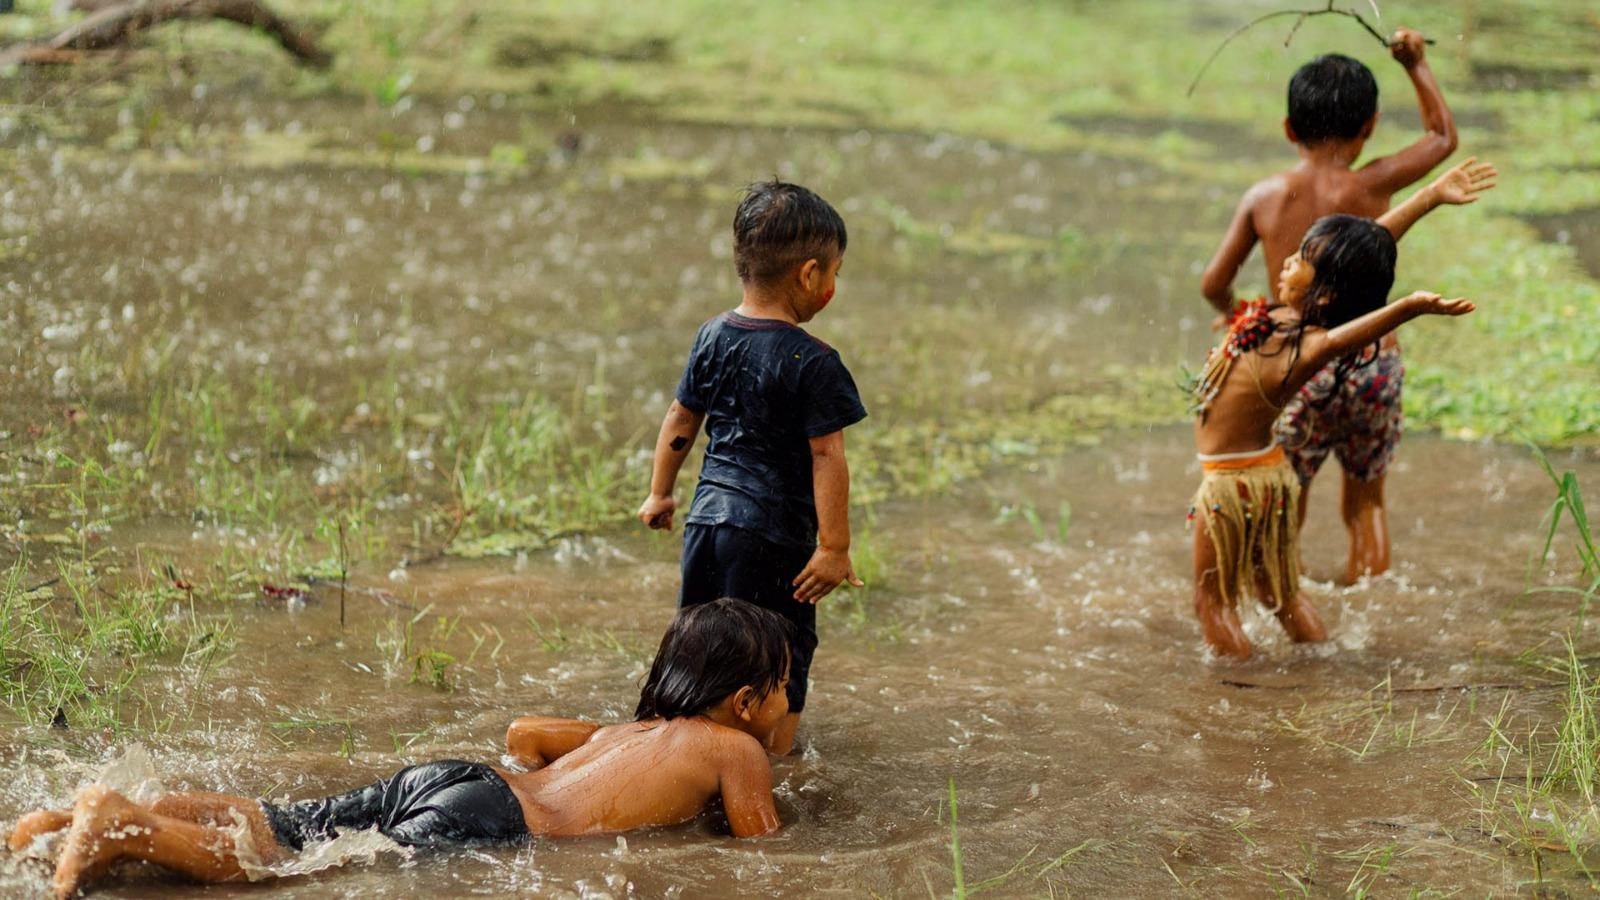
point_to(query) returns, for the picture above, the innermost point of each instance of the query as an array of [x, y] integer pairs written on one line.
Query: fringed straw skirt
[[1250, 505]]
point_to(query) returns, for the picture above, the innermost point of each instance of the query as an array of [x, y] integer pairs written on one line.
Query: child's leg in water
[[40, 821], [108, 828], [1297, 616], [1365, 518], [199, 807], [1219, 622]]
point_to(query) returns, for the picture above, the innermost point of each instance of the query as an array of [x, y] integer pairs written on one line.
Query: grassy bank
[[1052, 77], [272, 464]]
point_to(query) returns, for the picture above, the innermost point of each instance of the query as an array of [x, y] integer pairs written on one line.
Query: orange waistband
[[1270, 457]]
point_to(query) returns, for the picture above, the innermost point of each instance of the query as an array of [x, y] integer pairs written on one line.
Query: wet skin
[[585, 779], [1279, 210], [795, 298], [1240, 419]]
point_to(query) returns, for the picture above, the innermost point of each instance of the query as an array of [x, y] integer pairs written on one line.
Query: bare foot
[[1220, 627], [34, 824], [1299, 618], [101, 824]]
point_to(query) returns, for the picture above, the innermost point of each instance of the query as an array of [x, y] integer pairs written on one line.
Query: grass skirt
[[1251, 510]]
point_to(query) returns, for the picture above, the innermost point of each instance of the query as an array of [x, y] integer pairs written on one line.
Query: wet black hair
[[779, 226], [1331, 98], [1352, 261], [712, 650]]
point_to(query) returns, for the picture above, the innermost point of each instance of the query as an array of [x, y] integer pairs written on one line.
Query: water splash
[[349, 847], [133, 775]]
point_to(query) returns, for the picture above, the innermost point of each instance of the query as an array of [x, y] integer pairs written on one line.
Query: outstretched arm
[[1459, 186], [746, 786], [1217, 282], [1318, 348], [1391, 173], [538, 741], [678, 431]]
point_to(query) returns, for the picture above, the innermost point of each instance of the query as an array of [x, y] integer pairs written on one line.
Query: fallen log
[[112, 26]]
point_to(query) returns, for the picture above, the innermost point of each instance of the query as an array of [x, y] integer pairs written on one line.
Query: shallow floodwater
[[1061, 683], [1029, 633]]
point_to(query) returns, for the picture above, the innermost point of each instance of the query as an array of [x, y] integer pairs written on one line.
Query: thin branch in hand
[[1301, 15]]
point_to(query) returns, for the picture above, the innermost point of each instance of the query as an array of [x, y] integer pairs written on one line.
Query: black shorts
[[441, 804], [728, 561]]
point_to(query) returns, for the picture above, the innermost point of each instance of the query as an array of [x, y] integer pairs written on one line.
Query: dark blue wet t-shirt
[[766, 388]]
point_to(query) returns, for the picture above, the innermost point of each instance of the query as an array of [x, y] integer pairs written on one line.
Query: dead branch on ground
[[112, 26]]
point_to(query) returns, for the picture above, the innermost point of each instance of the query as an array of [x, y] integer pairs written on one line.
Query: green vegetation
[[1541, 787], [1569, 503], [512, 473], [960, 891], [1376, 724], [1034, 876], [302, 722], [305, 471], [71, 651], [1050, 77], [558, 638]]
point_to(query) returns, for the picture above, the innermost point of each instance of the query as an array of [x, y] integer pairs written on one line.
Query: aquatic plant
[[558, 638], [960, 892], [422, 657], [303, 721], [1380, 721], [1556, 809], [73, 658], [1038, 872], [1569, 502], [1028, 511]]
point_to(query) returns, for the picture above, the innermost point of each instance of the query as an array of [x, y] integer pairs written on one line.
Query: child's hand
[[1406, 47], [657, 511], [823, 573], [1463, 184], [1429, 303]]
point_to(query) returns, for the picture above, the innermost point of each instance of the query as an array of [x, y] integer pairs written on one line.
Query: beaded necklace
[[1248, 328]]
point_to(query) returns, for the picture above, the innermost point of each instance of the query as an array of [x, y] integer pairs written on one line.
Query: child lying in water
[[1246, 512], [712, 698]]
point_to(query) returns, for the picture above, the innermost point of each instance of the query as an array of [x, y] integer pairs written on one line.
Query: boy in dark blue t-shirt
[[770, 520]]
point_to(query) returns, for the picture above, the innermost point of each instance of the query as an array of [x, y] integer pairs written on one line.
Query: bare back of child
[[697, 739], [1332, 113], [1246, 511]]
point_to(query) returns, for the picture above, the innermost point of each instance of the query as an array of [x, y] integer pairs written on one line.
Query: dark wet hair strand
[[710, 651]]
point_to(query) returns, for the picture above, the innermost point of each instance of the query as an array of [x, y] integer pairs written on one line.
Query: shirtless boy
[[1333, 108], [713, 696]]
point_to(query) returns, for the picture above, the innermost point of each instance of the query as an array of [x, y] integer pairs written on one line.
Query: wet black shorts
[[728, 561], [442, 804]]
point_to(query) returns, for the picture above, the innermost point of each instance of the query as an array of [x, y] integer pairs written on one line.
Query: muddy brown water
[[1058, 680], [1061, 683], [321, 276]]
